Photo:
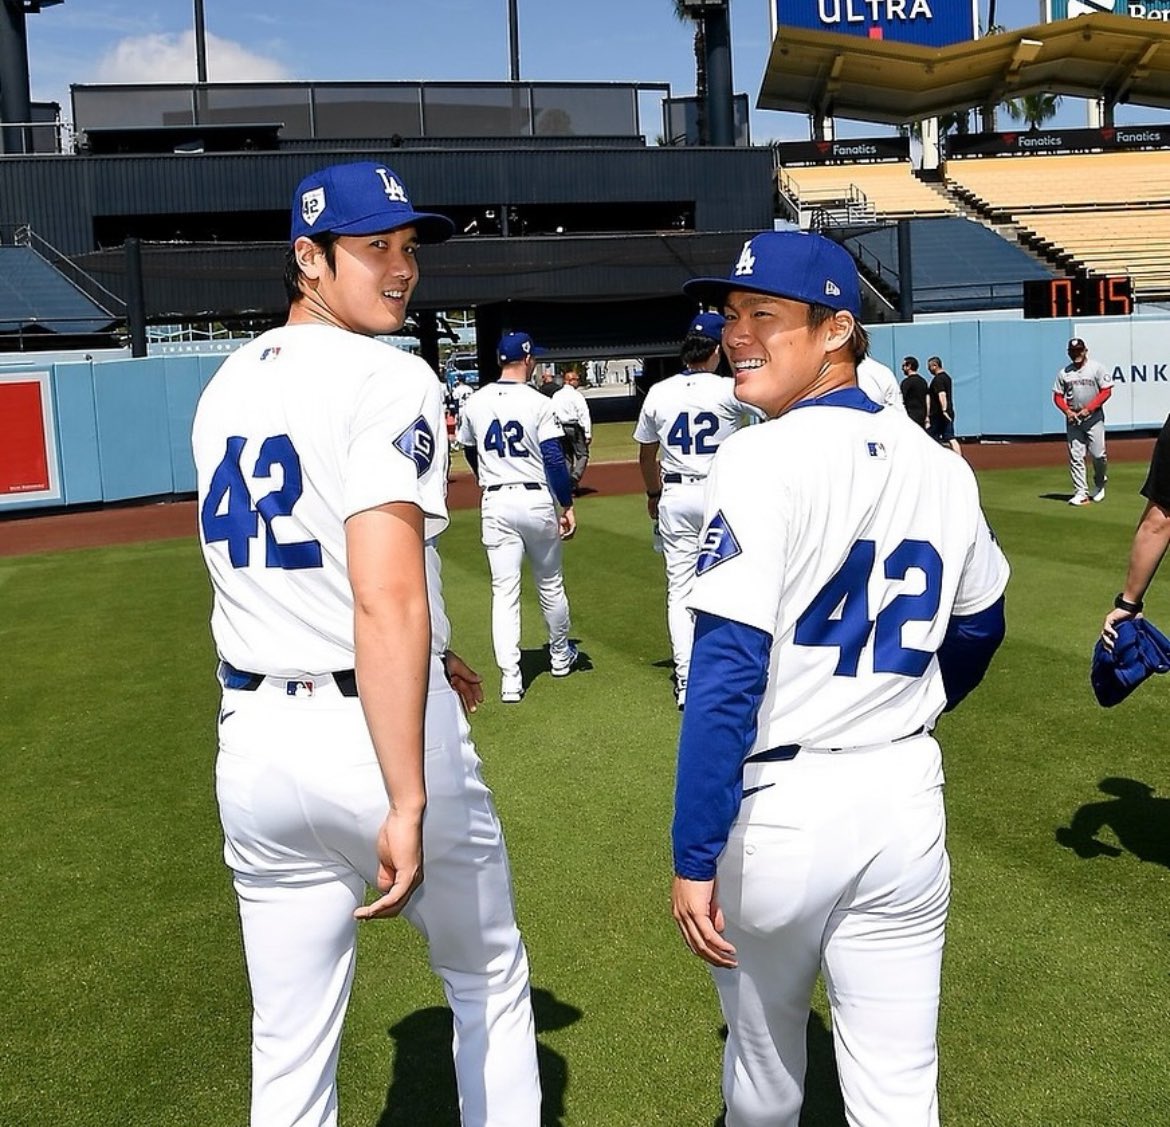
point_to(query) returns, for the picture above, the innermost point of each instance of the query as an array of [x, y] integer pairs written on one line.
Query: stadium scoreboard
[[1096, 295]]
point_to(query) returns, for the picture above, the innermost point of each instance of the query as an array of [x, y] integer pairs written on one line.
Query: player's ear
[[839, 330], [311, 258]]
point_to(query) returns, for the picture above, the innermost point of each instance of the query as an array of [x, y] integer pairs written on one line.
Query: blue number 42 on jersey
[[227, 514]]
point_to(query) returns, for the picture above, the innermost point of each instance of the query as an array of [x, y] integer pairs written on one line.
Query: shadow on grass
[[1138, 820], [1065, 497], [823, 1106], [422, 1089], [536, 663]]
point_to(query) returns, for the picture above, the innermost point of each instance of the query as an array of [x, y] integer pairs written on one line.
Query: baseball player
[[1081, 389], [571, 409], [848, 590], [683, 421], [513, 443], [344, 754]]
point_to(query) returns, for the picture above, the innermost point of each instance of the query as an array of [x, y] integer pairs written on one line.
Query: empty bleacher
[[1104, 213], [862, 192]]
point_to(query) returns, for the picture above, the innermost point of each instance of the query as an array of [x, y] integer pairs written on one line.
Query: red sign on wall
[[25, 459]]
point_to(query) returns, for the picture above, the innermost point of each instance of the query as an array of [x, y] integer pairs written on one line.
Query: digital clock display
[[1100, 295]]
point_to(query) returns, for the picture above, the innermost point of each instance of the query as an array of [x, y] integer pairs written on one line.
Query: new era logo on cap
[[793, 264], [362, 198]]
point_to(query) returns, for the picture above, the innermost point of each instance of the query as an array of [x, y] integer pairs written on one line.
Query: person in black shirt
[[942, 405], [915, 393], [1149, 541]]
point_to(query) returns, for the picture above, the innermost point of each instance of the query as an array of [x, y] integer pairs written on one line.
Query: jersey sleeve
[[1104, 377], [465, 432], [1059, 387], [1157, 484], [740, 569], [985, 572], [394, 446], [646, 429]]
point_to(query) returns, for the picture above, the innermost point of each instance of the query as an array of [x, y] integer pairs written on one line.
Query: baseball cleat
[[564, 668], [512, 688], [1079, 499], [1099, 495]]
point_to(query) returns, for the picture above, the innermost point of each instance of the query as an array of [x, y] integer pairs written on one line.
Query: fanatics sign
[[929, 23], [1138, 9]]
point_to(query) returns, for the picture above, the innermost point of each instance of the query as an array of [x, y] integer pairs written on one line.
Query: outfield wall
[[87, 432]]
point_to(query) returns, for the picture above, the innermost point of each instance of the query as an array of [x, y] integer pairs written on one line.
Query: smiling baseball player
[[848, 591], [513, 443], [321, 490], [683, 421]]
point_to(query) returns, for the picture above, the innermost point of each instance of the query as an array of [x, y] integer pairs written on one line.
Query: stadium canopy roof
[[1121, 58]]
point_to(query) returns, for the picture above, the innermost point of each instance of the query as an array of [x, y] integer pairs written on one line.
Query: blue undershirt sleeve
[[966, 651], [472, 456], [552, 453], [729, 672]]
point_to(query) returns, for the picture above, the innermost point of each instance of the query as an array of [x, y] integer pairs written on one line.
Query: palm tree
[[1034, 109], [681, 13]]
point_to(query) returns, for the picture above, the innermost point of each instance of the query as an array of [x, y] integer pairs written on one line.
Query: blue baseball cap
[[362, 198], [709, 325], [517, 346], [793, 264]]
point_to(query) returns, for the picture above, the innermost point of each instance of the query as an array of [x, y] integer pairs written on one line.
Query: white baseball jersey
[[808, 538], [689, 416], [298, 430], [570, 406], [461, 393], [880, 384], [507, 422], [1080, 386]]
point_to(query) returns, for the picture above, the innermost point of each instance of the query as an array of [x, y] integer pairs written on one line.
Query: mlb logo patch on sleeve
[[417, 442], [717, 545]]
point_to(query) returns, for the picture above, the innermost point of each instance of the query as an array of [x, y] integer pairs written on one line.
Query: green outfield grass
[[124, 1000]]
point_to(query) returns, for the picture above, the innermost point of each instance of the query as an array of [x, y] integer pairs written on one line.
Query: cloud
[[171, 58]]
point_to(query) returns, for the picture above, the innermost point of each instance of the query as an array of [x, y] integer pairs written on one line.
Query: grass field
[[124, 1000]]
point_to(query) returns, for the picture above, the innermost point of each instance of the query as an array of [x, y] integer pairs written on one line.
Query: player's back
[[298, 430], [507, 422], [690, 415], [867, 528]]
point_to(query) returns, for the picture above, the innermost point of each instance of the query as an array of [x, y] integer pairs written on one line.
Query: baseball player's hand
[[652, 507], [568, 524], [399, 865], [1109, 628], [464, 680], [700, 919]]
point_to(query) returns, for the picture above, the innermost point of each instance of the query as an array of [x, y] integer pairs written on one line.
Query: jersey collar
[[851, 397]]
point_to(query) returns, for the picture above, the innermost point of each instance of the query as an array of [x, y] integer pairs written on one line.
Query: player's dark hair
[[326, 240], [858, 342], [934, 360], [910, 362], [696, 349]]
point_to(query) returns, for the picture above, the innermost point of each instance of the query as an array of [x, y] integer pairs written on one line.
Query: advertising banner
[[28, 441], [929, 23], [844, 151], [1139, 9], [1137, 352], [1049, 141]]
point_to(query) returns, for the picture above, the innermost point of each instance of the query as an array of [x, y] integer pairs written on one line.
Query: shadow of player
[[422, 1089], [536, 663], [1138, 820], [823, 1105]]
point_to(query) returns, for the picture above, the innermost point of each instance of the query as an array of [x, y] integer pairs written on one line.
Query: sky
[[560, 40]]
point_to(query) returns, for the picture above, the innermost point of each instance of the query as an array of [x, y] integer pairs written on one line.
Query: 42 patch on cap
[[717, 545]]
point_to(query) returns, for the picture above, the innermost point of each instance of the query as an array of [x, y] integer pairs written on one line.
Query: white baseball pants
[[836, 864], [519, 522], [301, 799], [680, 523], [1089, 437]]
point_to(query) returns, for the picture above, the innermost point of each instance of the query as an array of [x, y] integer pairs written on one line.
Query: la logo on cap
[[747, 261], [312, 204], [394, 190]]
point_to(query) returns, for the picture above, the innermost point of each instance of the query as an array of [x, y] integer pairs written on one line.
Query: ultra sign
[[929, 23]]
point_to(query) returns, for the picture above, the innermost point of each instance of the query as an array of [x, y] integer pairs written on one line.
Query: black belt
[[233, 678], [788, 751], [679, 478], [504, 485]]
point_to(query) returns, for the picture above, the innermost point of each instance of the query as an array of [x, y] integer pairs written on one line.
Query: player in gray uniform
[[514, 445], [1081, 389]]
